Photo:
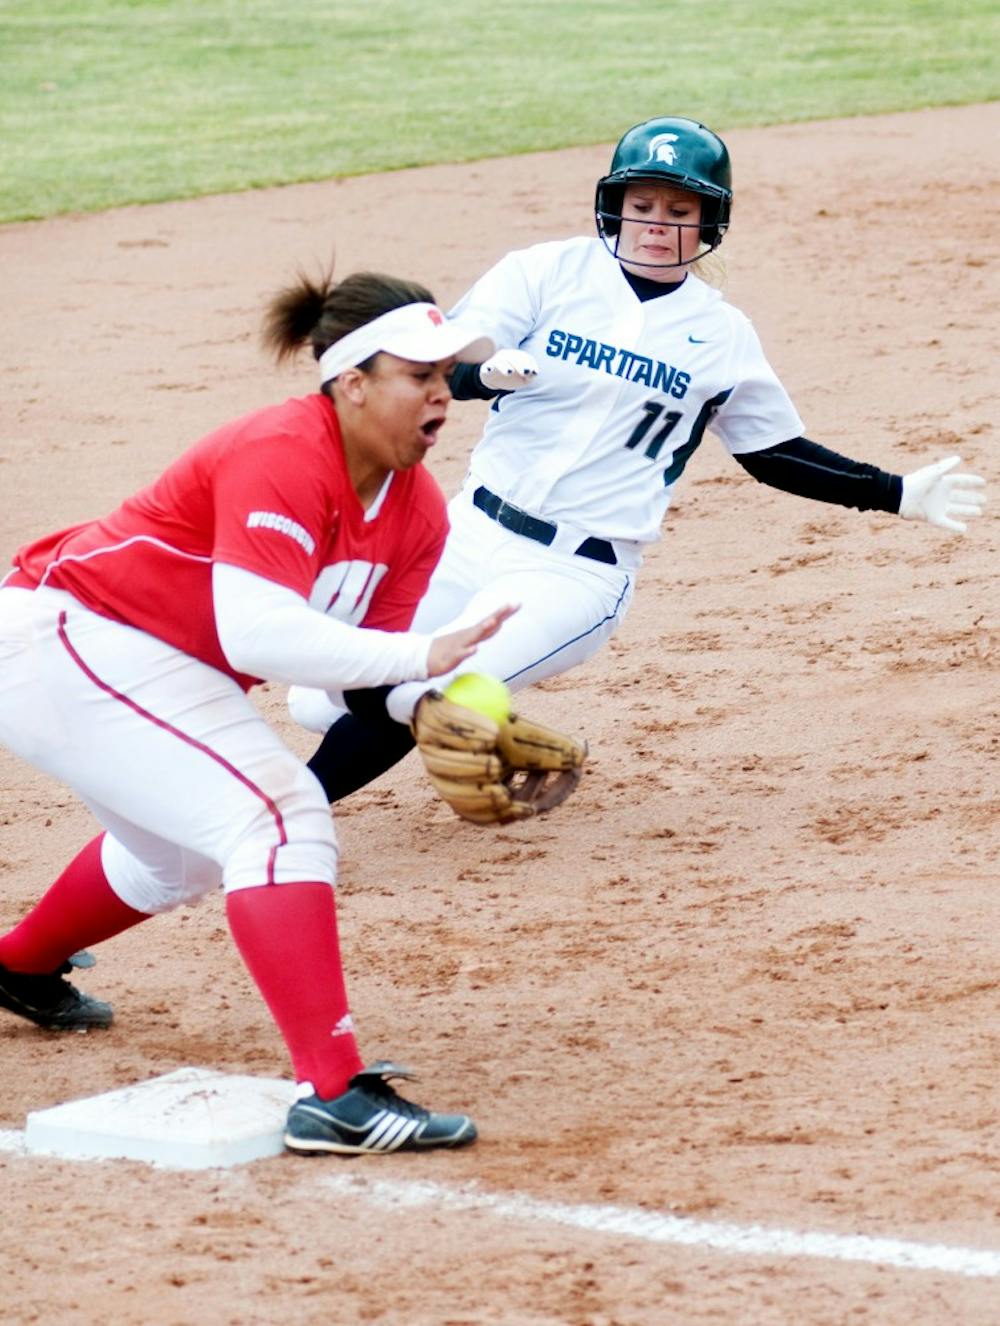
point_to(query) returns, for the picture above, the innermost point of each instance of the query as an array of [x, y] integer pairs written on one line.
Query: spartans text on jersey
[[618, 362]]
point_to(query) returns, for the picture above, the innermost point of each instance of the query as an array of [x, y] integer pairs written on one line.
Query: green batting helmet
[[670, 150]]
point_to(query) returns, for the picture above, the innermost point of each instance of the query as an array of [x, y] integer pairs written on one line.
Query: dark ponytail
[[319, 312]]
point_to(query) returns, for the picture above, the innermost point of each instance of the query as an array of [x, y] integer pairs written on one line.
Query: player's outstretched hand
[[447, 651], [507, 370], [941, 498]]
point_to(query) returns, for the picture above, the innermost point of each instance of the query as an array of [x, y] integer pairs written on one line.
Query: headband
[[419, 332]]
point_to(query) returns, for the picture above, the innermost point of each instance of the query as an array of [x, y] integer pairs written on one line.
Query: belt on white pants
[[532, 527]]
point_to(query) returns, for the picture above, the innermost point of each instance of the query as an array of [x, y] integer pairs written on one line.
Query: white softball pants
[[170, 755], [570, 606]]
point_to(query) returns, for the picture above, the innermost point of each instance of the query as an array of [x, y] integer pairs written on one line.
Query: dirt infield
[[749, 972]]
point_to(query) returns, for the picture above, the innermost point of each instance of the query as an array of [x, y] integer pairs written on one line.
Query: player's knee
[[166, 876], [291, 840], [312, 709]]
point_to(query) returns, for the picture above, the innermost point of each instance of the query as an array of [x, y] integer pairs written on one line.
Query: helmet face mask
[[672, 151]]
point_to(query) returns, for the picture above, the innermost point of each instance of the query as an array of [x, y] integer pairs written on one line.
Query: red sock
[[287, 936], [80, 909]]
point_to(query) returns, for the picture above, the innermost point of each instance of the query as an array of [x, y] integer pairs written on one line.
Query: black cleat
[[51, 1002], [370, 1117]]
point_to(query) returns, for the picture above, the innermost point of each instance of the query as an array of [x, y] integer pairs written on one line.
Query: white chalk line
[[682, 1231], [651, 1226]]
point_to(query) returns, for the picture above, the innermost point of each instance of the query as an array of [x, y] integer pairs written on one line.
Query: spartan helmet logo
[[661, 149]]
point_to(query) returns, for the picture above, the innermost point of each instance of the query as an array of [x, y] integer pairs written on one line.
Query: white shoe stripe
[[377, 1128], [382, 1137], [391, 1133], [378, 1125], [407, 1128]]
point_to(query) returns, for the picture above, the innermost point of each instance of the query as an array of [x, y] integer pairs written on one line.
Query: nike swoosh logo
[[695, 341]]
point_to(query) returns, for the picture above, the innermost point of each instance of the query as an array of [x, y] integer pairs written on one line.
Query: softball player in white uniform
[[618, 360]]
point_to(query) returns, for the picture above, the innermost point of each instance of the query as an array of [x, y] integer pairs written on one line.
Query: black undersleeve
[[809, 470], [466, 384]]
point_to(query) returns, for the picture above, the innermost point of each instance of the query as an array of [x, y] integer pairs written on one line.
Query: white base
[[192, 1118]]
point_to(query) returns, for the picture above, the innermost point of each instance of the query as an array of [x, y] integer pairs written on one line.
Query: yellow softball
[[486, 695]]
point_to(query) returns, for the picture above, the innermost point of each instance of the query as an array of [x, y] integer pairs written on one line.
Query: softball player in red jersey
[[617, 359], [129, 643]]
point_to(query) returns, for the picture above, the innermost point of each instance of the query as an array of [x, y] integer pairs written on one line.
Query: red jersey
[[269, 493]]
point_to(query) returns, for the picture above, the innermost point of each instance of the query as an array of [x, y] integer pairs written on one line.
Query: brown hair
[[319, 312]]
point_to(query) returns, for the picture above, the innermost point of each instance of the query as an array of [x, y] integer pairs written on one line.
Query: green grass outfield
[[131, 101]]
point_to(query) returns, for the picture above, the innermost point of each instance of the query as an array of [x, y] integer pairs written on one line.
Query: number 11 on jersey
[[652, 410]]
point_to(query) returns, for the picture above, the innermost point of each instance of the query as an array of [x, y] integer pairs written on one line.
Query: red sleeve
[[273, 507]]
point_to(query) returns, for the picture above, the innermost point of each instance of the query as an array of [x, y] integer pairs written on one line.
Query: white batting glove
[[507, 370], [940, 498]]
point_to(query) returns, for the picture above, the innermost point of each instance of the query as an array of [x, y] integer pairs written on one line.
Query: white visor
[[419, 332]]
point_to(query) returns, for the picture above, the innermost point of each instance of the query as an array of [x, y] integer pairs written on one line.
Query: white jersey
[[625, 391]]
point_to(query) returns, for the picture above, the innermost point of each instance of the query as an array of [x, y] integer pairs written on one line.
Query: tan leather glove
[[494, 773]]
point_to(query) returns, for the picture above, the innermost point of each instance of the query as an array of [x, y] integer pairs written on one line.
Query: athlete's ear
[[351, 385]]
